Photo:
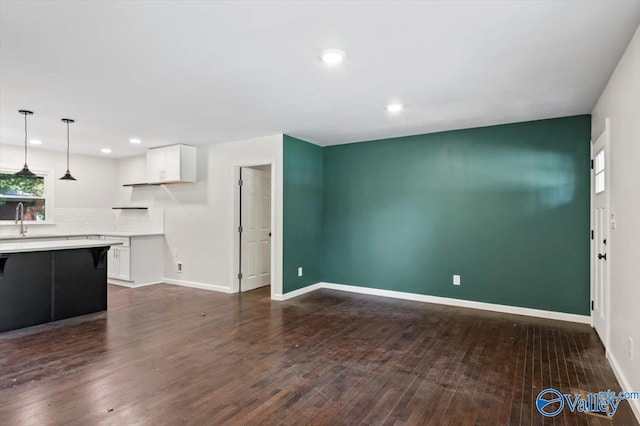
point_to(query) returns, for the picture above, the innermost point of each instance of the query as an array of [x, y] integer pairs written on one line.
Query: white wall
[[79, 206], [199, 217], [620, 101], [95, 185]]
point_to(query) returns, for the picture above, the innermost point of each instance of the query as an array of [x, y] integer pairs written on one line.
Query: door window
[[598, 168]]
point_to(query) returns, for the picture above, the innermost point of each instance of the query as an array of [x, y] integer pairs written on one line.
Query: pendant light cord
[[25, 172], [25, 139], [67, 146]]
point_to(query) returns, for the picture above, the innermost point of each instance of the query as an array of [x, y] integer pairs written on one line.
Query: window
[[31, 192], [598, 169]]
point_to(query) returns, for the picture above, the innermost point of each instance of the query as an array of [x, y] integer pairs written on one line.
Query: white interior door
[[601, 225], [265, 227], [255, 223]]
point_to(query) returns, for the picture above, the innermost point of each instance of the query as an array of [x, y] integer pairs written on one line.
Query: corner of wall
[[619, 105], [302, 214]]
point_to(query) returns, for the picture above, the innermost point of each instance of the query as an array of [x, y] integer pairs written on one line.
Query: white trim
[[624, 384], [130, 284], [235, 223], [49, 194], [517, 310], [181, 283], [605, 133], [592, 245], [26, 223], [296, 293], [202, 286]]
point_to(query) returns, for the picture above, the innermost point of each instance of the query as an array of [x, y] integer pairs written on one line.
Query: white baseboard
[[296, 293], [624, 384], [182, 283], [130, 284], [539, 313], [127, 284], [202, 286]]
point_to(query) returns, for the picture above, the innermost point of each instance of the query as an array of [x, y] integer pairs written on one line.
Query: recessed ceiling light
[[35, 142], [106, 150], [136, 141], [332, 56], [395, 108]]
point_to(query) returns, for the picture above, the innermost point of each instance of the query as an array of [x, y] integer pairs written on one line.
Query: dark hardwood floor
[[172, 355]]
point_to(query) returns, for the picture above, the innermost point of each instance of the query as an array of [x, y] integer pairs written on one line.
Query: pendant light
[[67, 175], [25, 172]]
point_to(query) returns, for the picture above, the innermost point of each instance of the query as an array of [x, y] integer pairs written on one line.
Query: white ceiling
[[207, 72]]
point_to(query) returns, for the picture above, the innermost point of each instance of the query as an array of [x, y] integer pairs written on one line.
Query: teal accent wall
[[302, 213], [506, 207]]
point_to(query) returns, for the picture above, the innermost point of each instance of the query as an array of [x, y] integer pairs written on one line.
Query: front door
[[600, 184]]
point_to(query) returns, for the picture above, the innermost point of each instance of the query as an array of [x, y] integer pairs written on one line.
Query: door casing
[[601, 327], [235, 223]]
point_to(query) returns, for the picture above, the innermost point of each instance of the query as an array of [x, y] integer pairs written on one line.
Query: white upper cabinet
[[174, 163], [155, 165]]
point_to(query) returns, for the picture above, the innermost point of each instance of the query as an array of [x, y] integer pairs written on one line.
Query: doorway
[[254, 232], [601, 223]]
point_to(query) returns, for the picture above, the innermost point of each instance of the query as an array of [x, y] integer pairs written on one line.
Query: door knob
[[602, 256]]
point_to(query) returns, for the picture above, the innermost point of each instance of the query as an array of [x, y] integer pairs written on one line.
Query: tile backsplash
[[96, 220]]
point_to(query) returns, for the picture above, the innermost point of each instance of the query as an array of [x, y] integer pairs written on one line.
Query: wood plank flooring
[[166, 355]]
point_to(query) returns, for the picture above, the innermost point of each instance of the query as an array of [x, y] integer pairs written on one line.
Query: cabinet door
[[124, 263], [156, 165], [188, 166], [172, 163], [113, 265]]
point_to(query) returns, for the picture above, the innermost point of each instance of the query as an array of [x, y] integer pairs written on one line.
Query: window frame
[[49, 202]]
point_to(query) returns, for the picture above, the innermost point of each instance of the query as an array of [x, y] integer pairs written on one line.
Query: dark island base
[[44, 286]]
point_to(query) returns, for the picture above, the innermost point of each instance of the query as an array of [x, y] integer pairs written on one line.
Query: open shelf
[[129, 208], [141, 184], [170, 182]]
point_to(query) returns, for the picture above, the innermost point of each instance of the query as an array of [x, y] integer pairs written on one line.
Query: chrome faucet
[[20, 217]]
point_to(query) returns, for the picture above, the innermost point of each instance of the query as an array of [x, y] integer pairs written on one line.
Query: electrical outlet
[[630, 347], [300, 271], [456, 280], [179, 267]]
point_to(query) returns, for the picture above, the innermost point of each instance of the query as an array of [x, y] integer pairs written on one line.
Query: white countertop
[[128, 234], [83, 234], [30, 246]]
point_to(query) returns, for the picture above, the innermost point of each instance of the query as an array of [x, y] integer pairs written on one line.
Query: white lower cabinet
[[119, 263], [137, 262]]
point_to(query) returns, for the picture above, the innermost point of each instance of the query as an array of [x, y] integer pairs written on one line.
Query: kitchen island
[[43, 281], [132, 264]]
